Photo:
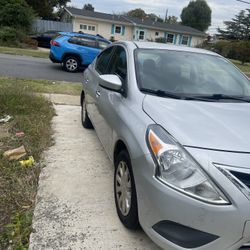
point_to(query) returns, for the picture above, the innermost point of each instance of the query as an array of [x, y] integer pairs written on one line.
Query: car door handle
[[97, 93]]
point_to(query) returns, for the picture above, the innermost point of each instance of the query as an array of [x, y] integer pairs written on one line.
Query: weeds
[[32, 114]]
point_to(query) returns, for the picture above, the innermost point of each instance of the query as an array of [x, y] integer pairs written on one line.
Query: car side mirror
[[111, 82]]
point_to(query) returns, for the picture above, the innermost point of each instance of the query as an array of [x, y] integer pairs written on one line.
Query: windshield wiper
[[163, 93], [217, 97]]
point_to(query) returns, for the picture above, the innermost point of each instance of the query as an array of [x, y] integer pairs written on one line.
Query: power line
[[243, 1]]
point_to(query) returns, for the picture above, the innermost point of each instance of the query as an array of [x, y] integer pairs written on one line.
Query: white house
[[120, 27]]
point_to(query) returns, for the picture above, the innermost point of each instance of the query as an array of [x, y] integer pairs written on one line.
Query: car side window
[[103, 61], [119, 63], [102, 44], [83, 41]]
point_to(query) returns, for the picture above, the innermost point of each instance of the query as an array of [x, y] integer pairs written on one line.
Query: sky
[[222, 10]]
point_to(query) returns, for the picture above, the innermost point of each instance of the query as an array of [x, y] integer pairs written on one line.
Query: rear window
[[83, 41]]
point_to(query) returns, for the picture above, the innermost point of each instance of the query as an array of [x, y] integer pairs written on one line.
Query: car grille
[[244, 178]]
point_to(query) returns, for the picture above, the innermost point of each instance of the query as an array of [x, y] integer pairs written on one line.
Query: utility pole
[[166, 16]]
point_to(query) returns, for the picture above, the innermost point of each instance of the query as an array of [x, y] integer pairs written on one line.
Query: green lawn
[[24, 52], [43, 86], [244, 68]]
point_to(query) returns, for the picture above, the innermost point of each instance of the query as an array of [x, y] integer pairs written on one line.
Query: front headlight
[[177, 169]]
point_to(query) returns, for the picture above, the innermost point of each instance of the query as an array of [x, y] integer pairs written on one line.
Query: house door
[[141, 35]]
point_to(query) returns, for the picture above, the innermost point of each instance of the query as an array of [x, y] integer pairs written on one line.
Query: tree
[[139, 13], [172, 20], [238, 28], [154, 18], [45, 8], [16, 14], [242, 48], [197, 15], [88, 7]]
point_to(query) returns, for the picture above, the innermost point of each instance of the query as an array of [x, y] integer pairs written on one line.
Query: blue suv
[[74, 50]]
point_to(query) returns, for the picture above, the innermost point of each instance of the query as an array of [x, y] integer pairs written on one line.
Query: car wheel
[[86, 123], [125, 192], [71, 64]]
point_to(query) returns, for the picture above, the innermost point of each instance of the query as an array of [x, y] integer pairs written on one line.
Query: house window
[[87, 27], [170, 38], [141, 35], [118, 29], [83, 26], [184, 40], [156, 33], [91, 27]]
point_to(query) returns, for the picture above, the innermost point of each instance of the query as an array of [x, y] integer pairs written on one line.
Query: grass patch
[[32, 114], [244, 68], [43, 86], [24, 52]]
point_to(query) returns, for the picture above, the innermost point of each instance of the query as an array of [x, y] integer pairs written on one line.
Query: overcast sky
[[221, 9]]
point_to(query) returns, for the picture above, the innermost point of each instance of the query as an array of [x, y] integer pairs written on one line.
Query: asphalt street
[[35, 68]]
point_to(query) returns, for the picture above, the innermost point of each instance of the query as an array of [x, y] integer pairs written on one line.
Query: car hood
[[210, 125]]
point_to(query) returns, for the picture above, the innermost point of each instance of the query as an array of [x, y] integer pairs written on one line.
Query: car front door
[[91, 84], [107, 101]]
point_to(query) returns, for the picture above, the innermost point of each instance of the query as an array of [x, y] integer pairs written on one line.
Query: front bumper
[[158, 202]]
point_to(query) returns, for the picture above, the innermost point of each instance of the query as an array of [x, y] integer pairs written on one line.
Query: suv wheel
[[125, 192], [71, 64]]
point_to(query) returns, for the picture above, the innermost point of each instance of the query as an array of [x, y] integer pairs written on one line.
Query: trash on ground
[[5, 119], [20, 134], [28, 163], [15, 154]]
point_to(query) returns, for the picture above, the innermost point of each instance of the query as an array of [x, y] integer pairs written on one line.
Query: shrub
[[30, 43], [239, 50], [242, 50], [161, 40], [10, 36]]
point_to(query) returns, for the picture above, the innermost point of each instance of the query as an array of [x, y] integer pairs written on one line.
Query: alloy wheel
[[71, 64]]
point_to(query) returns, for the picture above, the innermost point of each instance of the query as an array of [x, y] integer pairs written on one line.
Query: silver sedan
[[175, 121]]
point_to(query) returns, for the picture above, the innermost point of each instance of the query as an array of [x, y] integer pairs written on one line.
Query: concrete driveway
[[75, 206], [35, 68]]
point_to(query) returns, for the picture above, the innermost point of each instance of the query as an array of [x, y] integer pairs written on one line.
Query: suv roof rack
[[99, 35]]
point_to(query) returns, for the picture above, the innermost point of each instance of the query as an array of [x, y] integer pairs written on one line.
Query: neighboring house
[[120, 27]]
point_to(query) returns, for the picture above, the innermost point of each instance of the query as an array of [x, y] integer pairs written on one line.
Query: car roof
[[84, 35], [164, 46]]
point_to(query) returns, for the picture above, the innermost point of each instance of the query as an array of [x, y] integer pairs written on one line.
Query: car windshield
[[189, 74]]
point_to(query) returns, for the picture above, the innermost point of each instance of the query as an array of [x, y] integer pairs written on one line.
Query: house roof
[[176, 28]]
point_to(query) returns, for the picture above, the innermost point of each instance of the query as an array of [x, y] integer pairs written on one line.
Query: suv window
[[83, 41], [119, 63], [103, 60], [102, 44]]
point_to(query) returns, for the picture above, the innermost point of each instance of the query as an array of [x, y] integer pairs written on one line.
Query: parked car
[[75, 50], [44, 39], [175, 123]]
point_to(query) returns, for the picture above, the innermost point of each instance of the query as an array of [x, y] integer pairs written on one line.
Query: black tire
[[86, 123], [71, 64], [130, 220]]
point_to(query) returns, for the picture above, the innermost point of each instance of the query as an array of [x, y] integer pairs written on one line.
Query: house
[[120, 27]]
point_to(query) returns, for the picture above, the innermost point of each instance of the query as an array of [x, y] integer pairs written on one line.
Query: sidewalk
[[75, 206]]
